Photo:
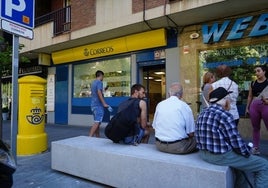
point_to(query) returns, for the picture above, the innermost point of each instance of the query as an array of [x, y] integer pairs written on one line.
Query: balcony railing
[[61, 19]]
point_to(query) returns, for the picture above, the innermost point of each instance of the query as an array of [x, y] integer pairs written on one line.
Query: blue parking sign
[[20, 12]]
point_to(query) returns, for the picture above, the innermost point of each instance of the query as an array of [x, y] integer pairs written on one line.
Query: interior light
[[159, 73], [158, 80], [150, 78]]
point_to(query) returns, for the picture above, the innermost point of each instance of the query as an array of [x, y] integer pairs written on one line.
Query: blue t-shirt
[[95, 86]]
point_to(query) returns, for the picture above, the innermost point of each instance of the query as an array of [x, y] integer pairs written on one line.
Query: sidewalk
[[35, 171]]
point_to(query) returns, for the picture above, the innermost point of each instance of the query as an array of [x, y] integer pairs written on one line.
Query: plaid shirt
[[216, 132]]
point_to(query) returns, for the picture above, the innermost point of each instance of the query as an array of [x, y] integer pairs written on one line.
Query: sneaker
[[255, 151]]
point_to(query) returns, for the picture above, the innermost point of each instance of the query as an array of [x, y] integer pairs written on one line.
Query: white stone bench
[[118, 165]]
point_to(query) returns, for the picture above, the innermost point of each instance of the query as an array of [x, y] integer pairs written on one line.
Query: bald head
[[176, 90]]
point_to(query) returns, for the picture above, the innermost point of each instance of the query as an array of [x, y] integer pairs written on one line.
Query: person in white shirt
[[223, 72], [174, 124]]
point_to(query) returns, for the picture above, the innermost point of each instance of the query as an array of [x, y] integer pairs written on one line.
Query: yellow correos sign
[[129, 43]]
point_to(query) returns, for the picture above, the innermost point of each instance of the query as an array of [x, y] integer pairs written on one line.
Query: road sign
[[16, 29], [20, 12]]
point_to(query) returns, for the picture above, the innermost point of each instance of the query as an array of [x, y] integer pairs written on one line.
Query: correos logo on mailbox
[[36, 116]]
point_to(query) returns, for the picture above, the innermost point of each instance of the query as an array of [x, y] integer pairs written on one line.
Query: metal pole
[[14, 108]]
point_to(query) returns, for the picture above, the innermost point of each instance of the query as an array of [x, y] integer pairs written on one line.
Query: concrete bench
[[118, 165]]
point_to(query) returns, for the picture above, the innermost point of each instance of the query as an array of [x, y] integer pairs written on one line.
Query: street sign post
[[14, 104], [17, 18]]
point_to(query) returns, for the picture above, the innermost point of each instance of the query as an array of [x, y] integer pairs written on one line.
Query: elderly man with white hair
[[174, 124], [220, 143]]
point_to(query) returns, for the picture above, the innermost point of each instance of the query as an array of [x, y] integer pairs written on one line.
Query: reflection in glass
[[242, 61], [116, 80]]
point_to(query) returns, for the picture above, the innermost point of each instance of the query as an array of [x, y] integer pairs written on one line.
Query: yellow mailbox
[[31, 138]]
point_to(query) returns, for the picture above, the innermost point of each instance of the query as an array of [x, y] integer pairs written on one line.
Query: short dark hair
[[223, 71], [136, 87], [263, 68], [99, 73]]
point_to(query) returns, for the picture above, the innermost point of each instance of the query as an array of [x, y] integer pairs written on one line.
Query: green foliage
[[240, 73], [6, 55]]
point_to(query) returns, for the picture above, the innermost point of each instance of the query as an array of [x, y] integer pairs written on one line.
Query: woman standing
[[208, 79], [257, 105], [223, 73]]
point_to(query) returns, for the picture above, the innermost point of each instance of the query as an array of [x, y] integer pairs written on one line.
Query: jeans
[[135, 139], [98, 113], [255, 165]]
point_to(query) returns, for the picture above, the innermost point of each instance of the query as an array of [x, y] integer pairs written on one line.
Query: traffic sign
[[16, 29], [20, 12]]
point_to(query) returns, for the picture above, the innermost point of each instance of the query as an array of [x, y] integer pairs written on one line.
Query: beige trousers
[[181, 147]]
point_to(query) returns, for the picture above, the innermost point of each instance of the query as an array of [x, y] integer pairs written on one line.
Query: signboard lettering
[[17, 7], [215, 32]]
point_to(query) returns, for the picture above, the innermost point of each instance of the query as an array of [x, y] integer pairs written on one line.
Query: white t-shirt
[[205, 95], [173, 120], [229, 85]]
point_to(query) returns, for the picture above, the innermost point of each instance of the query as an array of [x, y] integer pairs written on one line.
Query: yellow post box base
[[31, 144]]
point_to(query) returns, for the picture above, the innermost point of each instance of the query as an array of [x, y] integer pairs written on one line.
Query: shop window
[[116, 81], [242, 60]]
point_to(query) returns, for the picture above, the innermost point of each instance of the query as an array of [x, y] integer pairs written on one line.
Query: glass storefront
[[116, 81], [242, 60]]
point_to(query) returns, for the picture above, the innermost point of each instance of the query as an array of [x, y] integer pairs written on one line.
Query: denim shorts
[[98, 113], [136, 139]]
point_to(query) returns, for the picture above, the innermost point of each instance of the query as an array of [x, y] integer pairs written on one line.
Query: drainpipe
[[165, 6], [145, 21]]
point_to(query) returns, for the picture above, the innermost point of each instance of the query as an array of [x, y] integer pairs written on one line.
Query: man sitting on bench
[[220, 143], [174, 124]]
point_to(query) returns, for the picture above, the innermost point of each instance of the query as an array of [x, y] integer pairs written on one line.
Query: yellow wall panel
[[146, 40]]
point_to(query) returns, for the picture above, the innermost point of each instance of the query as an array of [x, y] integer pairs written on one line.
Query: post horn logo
[[86, 52], [36, 117]]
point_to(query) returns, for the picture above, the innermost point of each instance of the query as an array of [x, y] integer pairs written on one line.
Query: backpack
[[123, 123]]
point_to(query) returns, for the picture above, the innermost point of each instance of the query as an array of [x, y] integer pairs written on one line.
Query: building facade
[[142, 41]]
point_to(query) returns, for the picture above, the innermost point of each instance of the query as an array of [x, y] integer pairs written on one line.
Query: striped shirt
[[217, 132]]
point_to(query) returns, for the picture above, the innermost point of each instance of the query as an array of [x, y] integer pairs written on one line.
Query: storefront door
[[154, 80], [61, 104]]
